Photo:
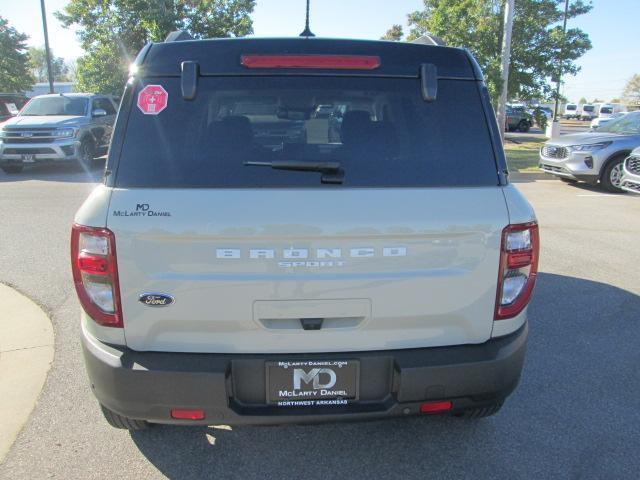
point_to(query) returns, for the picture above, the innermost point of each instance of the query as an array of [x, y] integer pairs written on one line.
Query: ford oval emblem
[[156, 299]]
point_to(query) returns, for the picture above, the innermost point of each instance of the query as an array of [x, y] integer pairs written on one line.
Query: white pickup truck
[[239, 269]]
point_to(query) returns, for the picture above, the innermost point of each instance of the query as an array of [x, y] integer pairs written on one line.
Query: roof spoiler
[[178, 36]]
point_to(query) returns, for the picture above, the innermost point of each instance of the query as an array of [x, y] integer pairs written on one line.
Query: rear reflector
[[333, 62], [185, 414], [435, 407]]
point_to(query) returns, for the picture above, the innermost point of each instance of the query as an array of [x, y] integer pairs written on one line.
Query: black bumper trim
[[230, 387]]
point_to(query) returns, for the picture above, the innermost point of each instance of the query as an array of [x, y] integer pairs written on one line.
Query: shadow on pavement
[[575, 414], [64, 172]]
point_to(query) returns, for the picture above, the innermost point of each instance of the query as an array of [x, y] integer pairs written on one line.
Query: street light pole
[[564, 32], [506, 60], [46, 45]]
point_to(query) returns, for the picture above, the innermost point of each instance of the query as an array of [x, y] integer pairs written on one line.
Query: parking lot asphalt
[[575, 414]]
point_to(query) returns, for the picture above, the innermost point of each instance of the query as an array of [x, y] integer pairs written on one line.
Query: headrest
[[233, 130], [356, 127]]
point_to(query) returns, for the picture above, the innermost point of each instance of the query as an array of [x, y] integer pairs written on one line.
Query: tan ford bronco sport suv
[[240, 265]]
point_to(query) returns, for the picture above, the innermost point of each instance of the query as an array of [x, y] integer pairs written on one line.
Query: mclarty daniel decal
[[142, 210]]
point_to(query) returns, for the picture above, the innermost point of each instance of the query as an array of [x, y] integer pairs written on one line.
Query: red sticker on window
[[152, 99]]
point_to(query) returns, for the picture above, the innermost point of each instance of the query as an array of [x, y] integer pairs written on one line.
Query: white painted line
[[615, 195]]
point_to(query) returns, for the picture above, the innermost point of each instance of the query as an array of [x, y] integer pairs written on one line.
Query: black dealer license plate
[[312, 383]]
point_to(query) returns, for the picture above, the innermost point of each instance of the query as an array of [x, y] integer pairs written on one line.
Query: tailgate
[[375, 268]]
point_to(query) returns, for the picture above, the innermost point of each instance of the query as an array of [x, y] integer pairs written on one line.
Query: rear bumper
[[231, 388]]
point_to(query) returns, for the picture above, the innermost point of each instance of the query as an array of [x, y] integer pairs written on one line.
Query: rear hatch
[[395, 244]]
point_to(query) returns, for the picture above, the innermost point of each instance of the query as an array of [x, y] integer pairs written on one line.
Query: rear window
[[588, 108], [606, 110], [379, 130], [571, 107]]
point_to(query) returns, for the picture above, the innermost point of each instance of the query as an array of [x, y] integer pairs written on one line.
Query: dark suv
[[517, 118], [10, 105]]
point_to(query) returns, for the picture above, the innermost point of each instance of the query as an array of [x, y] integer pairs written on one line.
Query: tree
[[72, 70], [395, 33], [583, 100], [631, 92], [102, 70], [14, 70], [38, 65], [539, 49], [113, 31]]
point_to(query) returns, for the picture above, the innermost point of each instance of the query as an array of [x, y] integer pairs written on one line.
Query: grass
[[523, 156]]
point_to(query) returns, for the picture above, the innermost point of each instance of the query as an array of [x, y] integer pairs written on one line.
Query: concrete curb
[[26, 354], [517, 176]]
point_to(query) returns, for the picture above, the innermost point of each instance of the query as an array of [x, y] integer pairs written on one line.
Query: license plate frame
[[318, 387]]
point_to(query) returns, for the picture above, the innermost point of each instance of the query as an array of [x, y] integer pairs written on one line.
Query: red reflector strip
[[339, 62], [185, 414], [435, 407], [520, 259], [93, 264]]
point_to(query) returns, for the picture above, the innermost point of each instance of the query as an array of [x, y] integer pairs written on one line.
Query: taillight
[[348, 62], [518, 269], [95, 274]]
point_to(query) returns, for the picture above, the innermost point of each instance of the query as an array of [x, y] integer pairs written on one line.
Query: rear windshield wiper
[[331, 171]]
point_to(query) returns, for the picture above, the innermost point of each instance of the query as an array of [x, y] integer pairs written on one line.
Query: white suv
[[631, 176], [594, 157], [233, 270]]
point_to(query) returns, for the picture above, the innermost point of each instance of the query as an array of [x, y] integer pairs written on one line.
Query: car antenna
[[307, 32]]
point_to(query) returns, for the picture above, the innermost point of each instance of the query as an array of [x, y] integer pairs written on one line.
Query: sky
[[611, 25]]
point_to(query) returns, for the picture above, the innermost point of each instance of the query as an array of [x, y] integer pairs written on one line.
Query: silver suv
[[631, 176], [593, 156], [57, 128]]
